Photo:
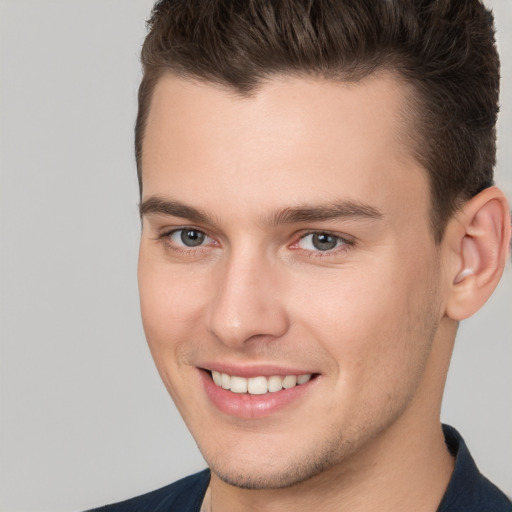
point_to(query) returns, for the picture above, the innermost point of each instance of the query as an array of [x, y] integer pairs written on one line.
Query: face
[[288, 278]]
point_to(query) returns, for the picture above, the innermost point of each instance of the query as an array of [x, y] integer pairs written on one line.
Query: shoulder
[[469, 490], [185, 495]]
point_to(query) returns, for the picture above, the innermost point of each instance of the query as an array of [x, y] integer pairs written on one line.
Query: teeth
[[275, 383], [238, 385], [225, 381], [258, 385], [302, 379], [217, 378], [289, 381]]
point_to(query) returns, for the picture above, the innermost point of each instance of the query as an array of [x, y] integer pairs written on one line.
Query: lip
[[248, 406], [261, 370]]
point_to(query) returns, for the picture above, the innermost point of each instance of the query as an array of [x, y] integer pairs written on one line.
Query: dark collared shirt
[[468, 490]]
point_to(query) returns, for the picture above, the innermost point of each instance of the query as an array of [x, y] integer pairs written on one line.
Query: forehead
[[291, 138]]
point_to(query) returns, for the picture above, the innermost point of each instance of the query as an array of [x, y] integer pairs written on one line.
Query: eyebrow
[[345, 209], [157, 205]]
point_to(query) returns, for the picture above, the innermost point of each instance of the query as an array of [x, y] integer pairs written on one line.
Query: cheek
[[171, 306], [368, 325]]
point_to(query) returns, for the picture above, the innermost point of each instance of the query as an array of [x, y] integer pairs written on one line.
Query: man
[[318, 214]]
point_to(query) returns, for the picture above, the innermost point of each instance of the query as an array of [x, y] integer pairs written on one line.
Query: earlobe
[[480, 244]]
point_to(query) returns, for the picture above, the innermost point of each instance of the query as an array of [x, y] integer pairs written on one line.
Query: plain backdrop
[[84, 419]]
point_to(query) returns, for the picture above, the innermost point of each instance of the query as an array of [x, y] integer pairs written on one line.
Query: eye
[[320, 242], [188, 237]]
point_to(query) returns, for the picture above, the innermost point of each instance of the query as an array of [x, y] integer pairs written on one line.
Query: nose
[[246, 303]]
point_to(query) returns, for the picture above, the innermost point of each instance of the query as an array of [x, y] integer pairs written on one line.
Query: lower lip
[[244, 405]]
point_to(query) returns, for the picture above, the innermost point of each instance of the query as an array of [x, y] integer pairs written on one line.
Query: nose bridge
[[246, 300]]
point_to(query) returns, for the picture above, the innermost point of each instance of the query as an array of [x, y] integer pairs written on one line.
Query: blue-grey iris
[[192, 237], [324, 241]]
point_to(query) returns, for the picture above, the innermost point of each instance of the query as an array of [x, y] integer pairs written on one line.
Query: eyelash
[[344, 242], [167, 238]]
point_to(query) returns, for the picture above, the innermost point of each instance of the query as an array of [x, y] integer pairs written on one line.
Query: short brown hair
[[445, 49]]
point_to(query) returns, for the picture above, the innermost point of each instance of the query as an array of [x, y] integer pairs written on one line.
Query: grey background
[[84, 419]]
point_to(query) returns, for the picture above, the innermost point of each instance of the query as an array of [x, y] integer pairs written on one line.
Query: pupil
[[324, 242], [191, 237]]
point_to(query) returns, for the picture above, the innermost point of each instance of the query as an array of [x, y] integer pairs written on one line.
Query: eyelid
[[346, 242], [166, 231], [166, 235]]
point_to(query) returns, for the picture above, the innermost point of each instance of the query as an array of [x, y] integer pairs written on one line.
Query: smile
[[260, 392], [258, 385]]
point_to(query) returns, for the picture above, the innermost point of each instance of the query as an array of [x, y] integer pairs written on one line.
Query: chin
[[274, 471], [272, 479]]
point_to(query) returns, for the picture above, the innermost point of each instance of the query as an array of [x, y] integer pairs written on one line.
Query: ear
[[478, 239]]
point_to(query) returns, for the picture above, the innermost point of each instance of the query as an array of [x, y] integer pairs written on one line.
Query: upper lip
[[254, 370]]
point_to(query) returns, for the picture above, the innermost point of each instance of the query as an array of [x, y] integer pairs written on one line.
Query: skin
[[368, 317]]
